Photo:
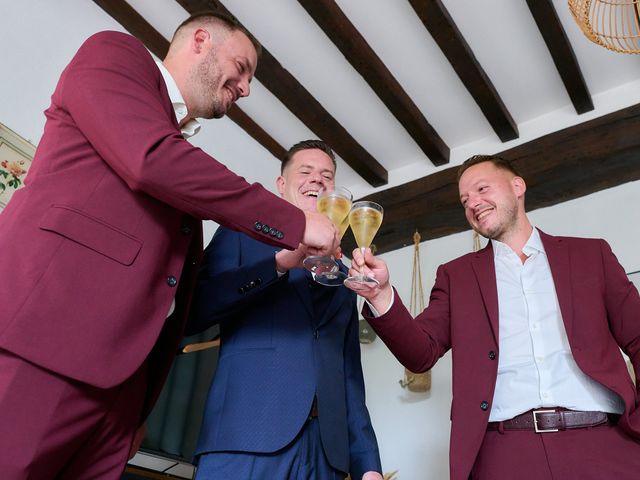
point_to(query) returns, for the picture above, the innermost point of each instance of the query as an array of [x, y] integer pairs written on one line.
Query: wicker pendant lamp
[[612, 24], [416, 382]]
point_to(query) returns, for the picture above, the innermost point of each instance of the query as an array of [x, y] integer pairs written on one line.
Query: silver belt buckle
[[535, 422]]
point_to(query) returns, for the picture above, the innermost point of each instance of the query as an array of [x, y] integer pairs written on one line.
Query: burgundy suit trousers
[[604, 452], [54, 427]]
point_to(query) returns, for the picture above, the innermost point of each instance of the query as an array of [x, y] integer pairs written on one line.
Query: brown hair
[[307, 145], [498, 161], [217, 19]]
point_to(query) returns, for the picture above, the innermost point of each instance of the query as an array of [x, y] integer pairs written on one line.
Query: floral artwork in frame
[[15, 159]]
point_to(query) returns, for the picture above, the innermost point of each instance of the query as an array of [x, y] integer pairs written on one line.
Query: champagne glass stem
[[362, 249]]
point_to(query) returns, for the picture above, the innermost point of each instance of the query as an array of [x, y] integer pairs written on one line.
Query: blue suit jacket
[[277, 353]]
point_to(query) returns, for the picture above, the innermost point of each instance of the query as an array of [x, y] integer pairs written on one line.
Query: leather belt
[[553, 420], [314, 408]]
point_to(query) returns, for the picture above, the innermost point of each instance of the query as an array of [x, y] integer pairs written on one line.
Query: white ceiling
[[38, 37]]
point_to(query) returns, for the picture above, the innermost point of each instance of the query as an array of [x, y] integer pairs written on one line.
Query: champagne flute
[[365, 219], [335, 203]]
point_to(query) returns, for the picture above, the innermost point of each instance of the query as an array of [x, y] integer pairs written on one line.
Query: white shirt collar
[[190, 128], [533, 245]]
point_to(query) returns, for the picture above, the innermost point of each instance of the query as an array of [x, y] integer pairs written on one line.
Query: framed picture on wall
[[15, 159]]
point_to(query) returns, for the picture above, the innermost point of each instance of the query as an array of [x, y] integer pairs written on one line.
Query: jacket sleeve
[[419, 343], [363, 446], [112, 92], [623, 308], [228, 281]]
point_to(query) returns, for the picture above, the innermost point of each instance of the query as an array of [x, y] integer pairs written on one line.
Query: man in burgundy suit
[[99, 250], [535, 324]]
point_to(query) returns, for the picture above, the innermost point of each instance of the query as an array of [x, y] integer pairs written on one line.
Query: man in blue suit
[[288, 400]]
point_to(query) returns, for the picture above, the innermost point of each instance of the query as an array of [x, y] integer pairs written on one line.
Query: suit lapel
[[485, 271], [558, 255]]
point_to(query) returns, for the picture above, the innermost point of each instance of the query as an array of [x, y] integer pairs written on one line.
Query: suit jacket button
[[185, 230], [484, 405], [241, 290], [252, 284], [492, 355], [258, 281], [266, 228], [172, 281], [258, 226], [316, 334], [273, 232], [280, 236]]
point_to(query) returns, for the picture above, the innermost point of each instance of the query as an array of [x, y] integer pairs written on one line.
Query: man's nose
[[316, 177], [244, 89], [473, 201]]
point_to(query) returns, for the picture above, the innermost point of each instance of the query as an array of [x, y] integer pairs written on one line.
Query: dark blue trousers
[[302, 459]]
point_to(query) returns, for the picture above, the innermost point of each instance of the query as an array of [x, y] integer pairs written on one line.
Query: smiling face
[[228, 62], [493, 200], [305, 175]]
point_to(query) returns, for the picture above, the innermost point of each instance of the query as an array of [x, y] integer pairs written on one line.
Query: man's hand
[[372, 476], [320, 234], [377, 295], [288, 259]]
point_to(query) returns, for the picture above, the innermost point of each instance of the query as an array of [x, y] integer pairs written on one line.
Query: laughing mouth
[[311, 193], [483, 213]]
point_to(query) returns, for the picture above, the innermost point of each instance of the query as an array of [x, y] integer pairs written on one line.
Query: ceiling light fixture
[[612, 24]]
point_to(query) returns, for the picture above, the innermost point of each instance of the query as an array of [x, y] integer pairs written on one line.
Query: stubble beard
[[208, 78], [506, 224]]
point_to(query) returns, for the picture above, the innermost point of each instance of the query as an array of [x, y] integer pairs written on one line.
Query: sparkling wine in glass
[[335, 203], [365, 219]]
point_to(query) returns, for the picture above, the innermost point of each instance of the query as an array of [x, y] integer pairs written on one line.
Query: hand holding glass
[[335, 203], [365, 219]]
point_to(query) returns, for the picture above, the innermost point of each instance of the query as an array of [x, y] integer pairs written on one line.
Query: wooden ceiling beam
[[304, 106], [444, 31], [562, 54], [335, 24], [564, 165], [137, 26]]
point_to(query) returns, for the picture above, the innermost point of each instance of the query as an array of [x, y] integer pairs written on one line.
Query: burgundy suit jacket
[[94, 247], [601, 313]]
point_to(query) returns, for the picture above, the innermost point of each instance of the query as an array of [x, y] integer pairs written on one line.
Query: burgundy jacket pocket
[[92, 233]]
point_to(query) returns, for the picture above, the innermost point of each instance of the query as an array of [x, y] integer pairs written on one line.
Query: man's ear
[[199, 38], [519, 186], [280, 183]]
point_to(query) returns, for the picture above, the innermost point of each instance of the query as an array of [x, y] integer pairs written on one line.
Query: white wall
[[413, 428]]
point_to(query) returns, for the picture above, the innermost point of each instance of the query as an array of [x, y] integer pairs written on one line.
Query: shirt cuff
[[375, 313]]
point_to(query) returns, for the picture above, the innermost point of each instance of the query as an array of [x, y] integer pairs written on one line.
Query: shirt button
[[172, 281], [492, 355], [484, 405]]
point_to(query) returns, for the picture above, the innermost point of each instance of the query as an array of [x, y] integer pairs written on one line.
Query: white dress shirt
[[189, 129], [535, 365]]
